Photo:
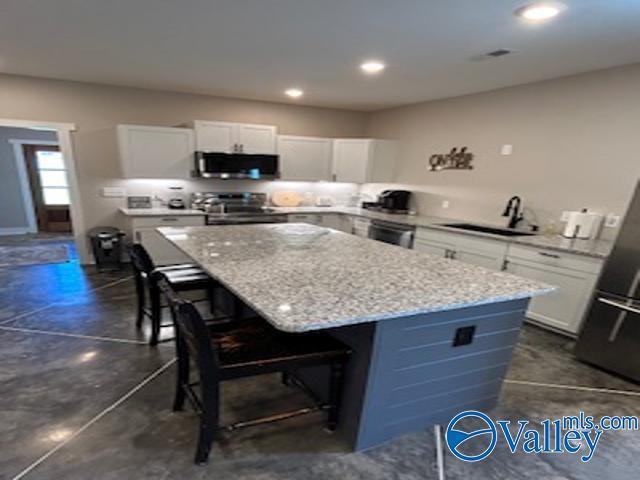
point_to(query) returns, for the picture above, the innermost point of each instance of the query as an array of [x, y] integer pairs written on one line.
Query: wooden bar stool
[[184, 277], [243, 348]]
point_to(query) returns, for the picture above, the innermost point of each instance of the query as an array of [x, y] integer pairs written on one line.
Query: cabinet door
[[155, 152], [216, 136], [257, 138], [480, 251], [351, 160], [305, 158], [311, 218], [564, 308], [161, 250], [438, 249], [335, 221]]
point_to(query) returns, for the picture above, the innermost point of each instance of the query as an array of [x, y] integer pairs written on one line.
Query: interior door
[[49, 187]]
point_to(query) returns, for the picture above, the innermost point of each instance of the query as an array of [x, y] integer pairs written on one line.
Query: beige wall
[[576, 144], [96, 109]]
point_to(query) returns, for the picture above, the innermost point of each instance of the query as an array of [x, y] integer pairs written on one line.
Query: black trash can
[[106, 243]]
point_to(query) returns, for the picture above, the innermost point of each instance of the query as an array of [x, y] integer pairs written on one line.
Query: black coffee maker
[[390, 201]]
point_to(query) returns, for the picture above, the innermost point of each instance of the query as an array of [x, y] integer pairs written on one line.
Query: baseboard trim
[[15, 231]]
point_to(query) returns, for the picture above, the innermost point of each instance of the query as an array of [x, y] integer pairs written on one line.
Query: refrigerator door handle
[[620, 305], [621, 317]]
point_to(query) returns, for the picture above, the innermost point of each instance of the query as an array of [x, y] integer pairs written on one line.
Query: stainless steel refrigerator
[[610, 337]]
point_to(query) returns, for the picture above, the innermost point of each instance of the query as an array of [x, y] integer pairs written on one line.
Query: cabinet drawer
[[168, 221], [556, 259], [438, 236]]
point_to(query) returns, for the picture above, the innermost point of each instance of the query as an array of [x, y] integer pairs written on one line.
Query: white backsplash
[[342, 193]]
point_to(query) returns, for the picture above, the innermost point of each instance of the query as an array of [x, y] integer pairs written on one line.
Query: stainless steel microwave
[[237, 165]]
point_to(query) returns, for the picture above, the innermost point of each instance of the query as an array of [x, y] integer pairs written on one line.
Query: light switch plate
[[116, 192], [506, 149]]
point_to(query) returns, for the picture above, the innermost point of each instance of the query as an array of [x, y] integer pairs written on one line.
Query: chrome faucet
[[513, 210]]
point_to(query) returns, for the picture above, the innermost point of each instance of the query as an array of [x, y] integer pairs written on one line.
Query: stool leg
[[183, 375], [335, 393], [141, 298], [211, 293], [156, 313], [208, 423]]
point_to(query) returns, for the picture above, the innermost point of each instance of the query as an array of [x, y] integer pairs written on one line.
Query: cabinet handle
[[505, 264], [550, 255], [169, 219], [138, 237], [334, 177], [241, 146], [453, 254]]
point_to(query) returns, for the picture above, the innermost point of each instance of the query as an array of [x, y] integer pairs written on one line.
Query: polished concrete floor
[[82, 396]]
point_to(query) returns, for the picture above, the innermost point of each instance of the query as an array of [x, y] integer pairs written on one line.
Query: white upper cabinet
[[229, 137], [358, 160], [155, 152], [256, 138], [305, 158], [215, 136]]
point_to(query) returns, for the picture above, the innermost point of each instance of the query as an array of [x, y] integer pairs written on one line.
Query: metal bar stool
[[243, 348], [185, 277]]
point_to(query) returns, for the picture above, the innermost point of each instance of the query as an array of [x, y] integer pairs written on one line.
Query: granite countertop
[[160, 212], [303, 277], [590, 248]]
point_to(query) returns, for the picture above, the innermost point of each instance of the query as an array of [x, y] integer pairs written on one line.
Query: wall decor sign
[[454, 160]]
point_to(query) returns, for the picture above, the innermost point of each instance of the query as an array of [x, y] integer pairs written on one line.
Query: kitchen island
[[430, 336]]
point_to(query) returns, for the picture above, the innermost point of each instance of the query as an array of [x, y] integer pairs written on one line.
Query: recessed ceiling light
[[537, 12], [372, 66], [294, 92]]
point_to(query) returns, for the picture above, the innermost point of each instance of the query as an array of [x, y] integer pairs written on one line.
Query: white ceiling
[[258, 48]]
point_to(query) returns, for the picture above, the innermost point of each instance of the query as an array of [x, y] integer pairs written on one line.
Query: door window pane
[[49, 160], [56, 196], [53, 178]]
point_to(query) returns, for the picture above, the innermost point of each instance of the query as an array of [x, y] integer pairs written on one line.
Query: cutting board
[[286, 199]]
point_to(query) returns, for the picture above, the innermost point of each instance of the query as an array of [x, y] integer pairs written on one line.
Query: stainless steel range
[[226, 208]]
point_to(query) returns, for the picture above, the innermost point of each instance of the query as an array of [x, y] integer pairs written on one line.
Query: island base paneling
[[406, 375]]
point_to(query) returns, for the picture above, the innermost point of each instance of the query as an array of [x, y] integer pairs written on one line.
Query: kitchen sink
[[505, 232]]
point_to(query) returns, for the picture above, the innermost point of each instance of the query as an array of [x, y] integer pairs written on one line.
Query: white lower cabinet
[[161, 250], [336, 221], [574, 276], [483, 252]]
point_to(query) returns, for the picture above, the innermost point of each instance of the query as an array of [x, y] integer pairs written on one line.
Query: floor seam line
[[575, 387], [73, 335], [95, 419], [62, 303]]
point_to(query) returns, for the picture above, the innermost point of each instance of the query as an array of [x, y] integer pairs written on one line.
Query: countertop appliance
[[390, 201], [393, 233], [583, 224], [226, 208], [236, 165], [610, 337]]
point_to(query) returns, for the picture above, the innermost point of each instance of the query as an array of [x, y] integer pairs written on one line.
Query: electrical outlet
[[445, 204], [565, 216], [612, 220], [506, 149], [116, 192]]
